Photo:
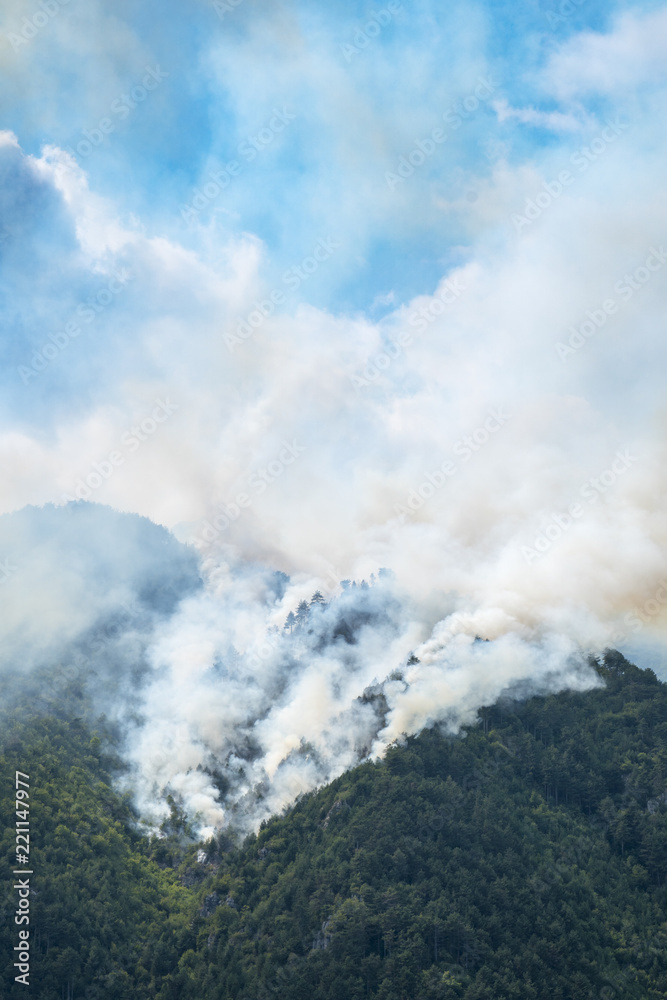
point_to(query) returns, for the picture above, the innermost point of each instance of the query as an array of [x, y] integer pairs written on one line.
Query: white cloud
[[631, 55], [554, 121]]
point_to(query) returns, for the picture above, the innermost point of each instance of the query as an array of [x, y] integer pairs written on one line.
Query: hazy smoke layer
[[82, 590], [497, 445]]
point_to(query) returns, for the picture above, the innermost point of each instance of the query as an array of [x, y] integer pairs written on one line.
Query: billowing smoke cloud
[[240, 695], [497, 446], [237, 737]]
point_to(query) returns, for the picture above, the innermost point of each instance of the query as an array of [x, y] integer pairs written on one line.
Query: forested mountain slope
[[527, 858]]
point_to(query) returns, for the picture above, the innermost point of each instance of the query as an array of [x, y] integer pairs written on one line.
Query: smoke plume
[[482, 456]]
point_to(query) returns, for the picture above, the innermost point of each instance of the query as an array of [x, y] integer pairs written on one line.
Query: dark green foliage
[[527, 859], [106, 921]]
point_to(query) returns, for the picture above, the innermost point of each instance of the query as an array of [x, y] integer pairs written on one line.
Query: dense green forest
[[525, 858]]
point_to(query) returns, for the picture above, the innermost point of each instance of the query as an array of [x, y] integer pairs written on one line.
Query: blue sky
[[360, 101]]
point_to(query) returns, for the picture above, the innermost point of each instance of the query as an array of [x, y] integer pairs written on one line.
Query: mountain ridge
[[525, 858]]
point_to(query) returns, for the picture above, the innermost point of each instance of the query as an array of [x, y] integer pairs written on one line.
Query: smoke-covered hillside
[[333, 438], [525, 858], [362, 350], [240, 692]]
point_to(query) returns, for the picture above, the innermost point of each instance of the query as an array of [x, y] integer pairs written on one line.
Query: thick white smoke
[[498, 445], [236, 737]]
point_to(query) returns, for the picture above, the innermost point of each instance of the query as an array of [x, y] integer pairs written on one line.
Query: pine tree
[[290, 622], [302, 613], [317, 598]]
